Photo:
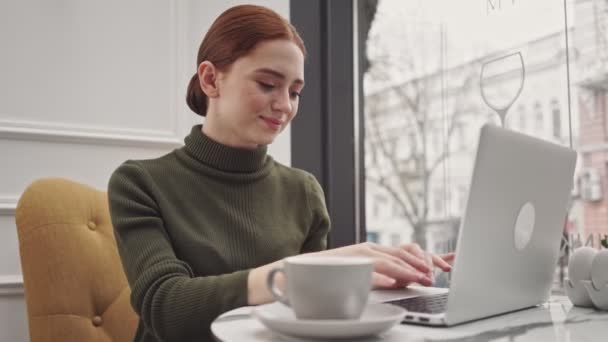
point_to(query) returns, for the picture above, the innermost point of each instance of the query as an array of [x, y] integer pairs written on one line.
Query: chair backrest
[[75, 286]]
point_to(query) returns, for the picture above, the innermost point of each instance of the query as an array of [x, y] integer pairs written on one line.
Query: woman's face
[[257, 96]]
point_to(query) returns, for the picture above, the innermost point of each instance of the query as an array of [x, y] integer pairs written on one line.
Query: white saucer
[[376, 319]]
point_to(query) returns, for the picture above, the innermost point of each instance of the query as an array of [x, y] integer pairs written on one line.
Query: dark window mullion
[[323, 133]]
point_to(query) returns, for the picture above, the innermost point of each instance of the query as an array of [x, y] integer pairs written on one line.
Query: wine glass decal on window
[[501, 82]]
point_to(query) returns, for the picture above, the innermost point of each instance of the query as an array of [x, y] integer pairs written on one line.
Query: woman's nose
[[283, 103]]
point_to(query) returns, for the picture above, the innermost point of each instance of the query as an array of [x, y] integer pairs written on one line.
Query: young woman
[[199, 228]]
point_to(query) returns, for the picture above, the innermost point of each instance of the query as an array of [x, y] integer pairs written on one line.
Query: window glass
[[438, 70]]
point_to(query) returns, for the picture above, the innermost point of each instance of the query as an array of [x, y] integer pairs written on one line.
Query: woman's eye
[[266, 86], [295, 94]]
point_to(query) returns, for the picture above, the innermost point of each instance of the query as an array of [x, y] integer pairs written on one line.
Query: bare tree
[[403, 117]]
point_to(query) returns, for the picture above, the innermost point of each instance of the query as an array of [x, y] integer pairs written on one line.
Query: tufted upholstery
[[75, 287]]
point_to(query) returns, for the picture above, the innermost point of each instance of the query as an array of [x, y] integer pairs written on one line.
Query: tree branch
[[391, 190]]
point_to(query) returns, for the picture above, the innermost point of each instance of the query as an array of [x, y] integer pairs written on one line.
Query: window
[[462, 197], [422, 58], [379, 204], [395, 239], [438, 200], [396, 210], [459, 136], [376, 210], [557, 119], [538, 117], [373, 237], [437, 145], [523, 120], [450, 67]]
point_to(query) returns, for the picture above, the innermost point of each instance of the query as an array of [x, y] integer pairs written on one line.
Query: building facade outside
[[591, 80], [450, 141]]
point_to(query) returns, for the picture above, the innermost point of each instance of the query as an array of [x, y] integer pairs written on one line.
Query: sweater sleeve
[[320, 224], [172, 303]]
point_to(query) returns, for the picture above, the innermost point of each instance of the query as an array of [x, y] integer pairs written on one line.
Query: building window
[[438, 200], [523, 120], [557, 119], [462, 197], [373, 237], [379, 203], [396, 210], [395, 239], [460, 135], [436, 140], [538, 117], [375, 209]]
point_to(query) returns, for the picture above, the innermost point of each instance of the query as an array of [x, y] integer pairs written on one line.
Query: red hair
[[233, 35]]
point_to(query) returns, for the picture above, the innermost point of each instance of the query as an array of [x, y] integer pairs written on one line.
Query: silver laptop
[[509, 236]]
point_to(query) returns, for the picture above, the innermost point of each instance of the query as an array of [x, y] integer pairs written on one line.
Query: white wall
[[84, 86]]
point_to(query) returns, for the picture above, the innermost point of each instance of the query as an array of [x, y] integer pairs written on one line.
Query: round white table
[[556, 320]]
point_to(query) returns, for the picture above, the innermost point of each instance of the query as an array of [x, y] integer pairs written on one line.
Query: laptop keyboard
[[431, 304]]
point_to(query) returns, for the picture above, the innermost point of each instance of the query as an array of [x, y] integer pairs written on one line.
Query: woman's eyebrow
[[277, 74]]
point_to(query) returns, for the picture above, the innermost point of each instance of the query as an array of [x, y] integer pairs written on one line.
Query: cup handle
[[276, 293]]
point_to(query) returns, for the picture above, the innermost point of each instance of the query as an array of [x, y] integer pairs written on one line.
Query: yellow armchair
[[75, 287]]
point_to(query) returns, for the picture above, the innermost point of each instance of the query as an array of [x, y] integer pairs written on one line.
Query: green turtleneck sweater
[[191, 224]]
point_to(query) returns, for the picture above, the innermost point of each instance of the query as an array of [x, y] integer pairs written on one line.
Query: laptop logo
[[524, 226]]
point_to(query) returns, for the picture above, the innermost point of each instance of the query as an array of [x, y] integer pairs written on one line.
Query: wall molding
[[172, 137], [8, 205], [11, 285], [75, 134]]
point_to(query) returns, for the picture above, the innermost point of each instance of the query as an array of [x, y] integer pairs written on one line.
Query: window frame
[[325, 134]]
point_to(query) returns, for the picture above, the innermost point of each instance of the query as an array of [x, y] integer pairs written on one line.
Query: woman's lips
[[273, 123]]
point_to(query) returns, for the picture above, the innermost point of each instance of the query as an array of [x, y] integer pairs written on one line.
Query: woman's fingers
[[380, 281], [411, 259], [396, 267], [377, 255], [441, 263], [386, 263], [400, 273], [449, 257], [415, 249]]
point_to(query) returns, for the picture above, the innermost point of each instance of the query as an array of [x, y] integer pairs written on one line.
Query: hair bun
[[195, 98]]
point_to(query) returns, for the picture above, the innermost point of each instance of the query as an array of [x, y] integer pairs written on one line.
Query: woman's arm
[[173, 304], [393, 266], [257, 290]]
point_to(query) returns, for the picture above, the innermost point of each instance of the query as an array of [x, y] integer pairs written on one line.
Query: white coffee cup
[[324, 287]]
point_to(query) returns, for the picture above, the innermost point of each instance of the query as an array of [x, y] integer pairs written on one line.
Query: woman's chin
[[266, 141], [266, 138]]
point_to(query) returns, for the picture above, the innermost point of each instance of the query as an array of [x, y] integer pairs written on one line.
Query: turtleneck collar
[[222, 157]]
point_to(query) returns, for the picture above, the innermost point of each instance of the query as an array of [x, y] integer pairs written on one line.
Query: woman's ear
[[207, 76]]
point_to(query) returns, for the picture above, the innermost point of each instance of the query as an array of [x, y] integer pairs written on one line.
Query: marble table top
[[556, 320]]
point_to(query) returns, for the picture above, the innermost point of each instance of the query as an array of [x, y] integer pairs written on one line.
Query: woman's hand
[[394, 267], [397, 266]]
